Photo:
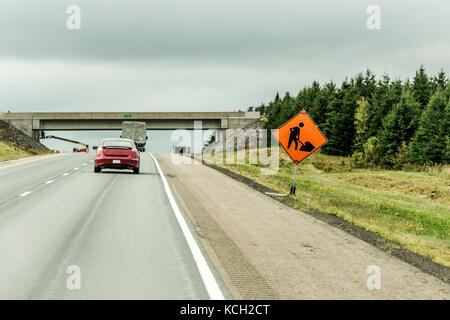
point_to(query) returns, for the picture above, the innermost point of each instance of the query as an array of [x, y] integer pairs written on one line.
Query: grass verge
[[8, 151]]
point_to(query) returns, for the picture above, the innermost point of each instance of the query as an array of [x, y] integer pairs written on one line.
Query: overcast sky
[[204, 55]]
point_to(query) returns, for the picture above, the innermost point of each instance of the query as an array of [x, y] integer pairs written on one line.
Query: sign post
[[300, 137], [293, 181]]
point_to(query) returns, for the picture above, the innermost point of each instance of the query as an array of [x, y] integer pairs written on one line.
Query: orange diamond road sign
[[300, 137]]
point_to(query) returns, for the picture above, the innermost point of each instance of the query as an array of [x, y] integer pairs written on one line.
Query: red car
[[117, 154]]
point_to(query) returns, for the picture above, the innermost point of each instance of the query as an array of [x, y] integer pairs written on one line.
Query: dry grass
[[10, 152]]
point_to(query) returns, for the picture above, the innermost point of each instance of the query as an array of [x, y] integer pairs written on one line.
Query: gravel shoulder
[[264, 249]]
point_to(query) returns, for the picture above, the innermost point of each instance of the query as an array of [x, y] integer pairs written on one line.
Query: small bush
[[324, 166], [371, 152], [401, 157], [358, 160]]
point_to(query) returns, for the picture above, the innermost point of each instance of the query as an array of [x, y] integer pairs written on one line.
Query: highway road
[[117, 235]]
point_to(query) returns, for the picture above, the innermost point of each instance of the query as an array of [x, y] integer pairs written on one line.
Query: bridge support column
[[24, 125], [220, 135], [35, 135]]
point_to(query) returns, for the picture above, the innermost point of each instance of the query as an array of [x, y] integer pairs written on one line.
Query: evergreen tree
[[440, 81], [300, 102], [382, 104], [429, 141], [314, 91], [319, 106], [273, 111], [383, 117], [396, 90], [398, 126], [331, 129], [277, 98], [261, 109], [421, 87], [447, 151], [386, 96], [286, 109], [368, 86], [444, 132], [340, 129]]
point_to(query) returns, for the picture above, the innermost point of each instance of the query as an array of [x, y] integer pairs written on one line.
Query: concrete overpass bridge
[[31, 123]]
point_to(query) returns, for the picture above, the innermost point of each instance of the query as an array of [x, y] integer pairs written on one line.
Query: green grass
[[9, 151], [411, 208]]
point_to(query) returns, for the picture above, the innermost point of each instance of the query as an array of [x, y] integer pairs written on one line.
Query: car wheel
[[136, 170], [97, 169]]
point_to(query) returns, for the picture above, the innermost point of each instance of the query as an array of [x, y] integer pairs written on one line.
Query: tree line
[[379, 122]]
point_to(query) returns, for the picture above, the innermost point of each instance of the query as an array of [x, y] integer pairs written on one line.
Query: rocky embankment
[[17, 138], [240, 137]]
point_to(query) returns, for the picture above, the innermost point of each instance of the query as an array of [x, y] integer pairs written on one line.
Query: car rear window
[[117, 143]]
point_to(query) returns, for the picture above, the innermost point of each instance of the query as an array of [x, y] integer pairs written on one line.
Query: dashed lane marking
[[24, 194]]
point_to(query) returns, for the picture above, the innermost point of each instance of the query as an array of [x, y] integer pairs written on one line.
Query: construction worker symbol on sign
[[295, 137], [300, 137]]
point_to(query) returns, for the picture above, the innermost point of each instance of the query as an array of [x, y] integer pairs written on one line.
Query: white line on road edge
[[209, 281], [24, 194]]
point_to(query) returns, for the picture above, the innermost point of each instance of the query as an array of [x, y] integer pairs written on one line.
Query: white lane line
[[49, 181], [76, 168], [24, 194], [66, 174], [84, 164], [208, 278]]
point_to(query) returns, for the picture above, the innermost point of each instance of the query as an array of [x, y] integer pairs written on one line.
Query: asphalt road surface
[[115, 234]]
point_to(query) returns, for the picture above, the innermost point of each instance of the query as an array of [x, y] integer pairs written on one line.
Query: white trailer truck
[[136, 131]]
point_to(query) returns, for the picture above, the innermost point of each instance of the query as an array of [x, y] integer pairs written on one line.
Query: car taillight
[[134, 150], [99, 152]]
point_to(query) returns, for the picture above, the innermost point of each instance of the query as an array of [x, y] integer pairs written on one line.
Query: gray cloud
[[213, 30], [197, 55]]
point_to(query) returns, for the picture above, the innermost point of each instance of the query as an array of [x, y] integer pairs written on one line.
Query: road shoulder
[[266, 250], [395, 249], [16, 162]]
